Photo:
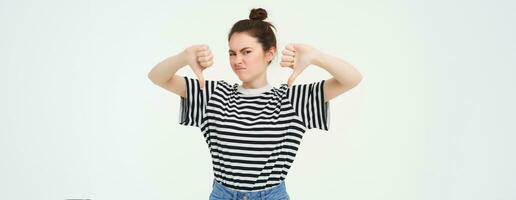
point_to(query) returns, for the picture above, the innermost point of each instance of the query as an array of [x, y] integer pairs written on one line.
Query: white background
[[432, 119]]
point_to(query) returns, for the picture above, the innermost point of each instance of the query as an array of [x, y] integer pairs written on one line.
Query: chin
[[242, 78]]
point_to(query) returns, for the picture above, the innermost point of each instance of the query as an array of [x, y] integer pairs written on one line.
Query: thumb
[[292, 77], [200, 76]]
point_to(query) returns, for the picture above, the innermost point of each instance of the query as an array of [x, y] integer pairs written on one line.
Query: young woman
[[253, 130]]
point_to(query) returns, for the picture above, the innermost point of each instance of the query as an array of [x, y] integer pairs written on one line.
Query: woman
[[253, 130]]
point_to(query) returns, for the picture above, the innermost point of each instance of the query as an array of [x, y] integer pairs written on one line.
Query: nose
[[238, 59]]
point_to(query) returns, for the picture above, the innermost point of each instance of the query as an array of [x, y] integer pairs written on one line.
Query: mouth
[[239, 69]]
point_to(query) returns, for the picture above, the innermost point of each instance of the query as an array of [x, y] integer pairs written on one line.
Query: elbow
[[152, 78], [357, 79]]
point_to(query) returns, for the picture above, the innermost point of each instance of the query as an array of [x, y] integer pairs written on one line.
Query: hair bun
[[258, 14]]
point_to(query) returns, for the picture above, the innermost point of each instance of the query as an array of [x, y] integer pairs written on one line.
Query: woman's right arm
[[199, 57], [164, 74]]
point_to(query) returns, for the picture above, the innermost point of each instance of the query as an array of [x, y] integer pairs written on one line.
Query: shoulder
[[281, 90], [304, 89], [306, 86], [224, 88], [226, 85]]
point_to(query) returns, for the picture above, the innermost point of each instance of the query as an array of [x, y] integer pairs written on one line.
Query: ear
[[270, 53]]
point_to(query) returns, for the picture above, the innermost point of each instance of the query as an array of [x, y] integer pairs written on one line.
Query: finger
[[203, 52], [290, 47], [205, 58], [202, 47], [287, 64], [206, 64], [288, 52], [287, 58]]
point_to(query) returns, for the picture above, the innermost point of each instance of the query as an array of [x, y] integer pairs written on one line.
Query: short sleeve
[[308, 102], [194, 104]]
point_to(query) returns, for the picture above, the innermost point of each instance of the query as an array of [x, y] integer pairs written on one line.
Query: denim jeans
[[221, 192]]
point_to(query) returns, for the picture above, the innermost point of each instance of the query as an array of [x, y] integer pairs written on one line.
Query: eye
[[246, 52], [231, 54]]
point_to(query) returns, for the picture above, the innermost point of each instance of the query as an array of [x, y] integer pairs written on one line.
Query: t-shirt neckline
[[254, 91]]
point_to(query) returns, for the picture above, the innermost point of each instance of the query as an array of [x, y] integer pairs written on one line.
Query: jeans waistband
[[278, 191]]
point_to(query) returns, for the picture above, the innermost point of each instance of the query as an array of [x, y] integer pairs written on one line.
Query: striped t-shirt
[[253, 134]]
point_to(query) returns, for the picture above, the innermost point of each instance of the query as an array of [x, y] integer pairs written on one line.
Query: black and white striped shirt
[[253, 137]]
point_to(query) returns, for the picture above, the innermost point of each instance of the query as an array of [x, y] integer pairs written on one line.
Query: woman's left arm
[[345, 76], [299, 56]]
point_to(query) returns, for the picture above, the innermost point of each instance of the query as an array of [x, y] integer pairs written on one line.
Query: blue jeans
[[221, 192]]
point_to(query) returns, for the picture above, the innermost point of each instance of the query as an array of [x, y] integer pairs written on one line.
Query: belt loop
[[235, 195]]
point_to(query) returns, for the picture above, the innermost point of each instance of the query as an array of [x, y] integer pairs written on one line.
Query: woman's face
[[246, 56]]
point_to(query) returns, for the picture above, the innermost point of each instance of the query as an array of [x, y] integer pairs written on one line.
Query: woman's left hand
[[298, 57]]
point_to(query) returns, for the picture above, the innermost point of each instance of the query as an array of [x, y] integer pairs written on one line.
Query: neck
[[256, 83]]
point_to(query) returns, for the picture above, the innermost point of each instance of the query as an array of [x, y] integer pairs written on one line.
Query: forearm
[[166, 69], [341, 70]]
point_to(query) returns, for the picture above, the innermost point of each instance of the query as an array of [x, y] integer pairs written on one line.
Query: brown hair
[[257, 28]]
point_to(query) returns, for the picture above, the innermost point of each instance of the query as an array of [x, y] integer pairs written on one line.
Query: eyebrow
[[241, 49]]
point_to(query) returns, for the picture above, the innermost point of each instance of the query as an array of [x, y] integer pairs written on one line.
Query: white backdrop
[[432, 119]]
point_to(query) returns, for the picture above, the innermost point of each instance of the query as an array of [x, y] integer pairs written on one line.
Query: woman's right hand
[[199, 57]]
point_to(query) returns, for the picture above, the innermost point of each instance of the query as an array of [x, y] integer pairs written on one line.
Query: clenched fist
[[298, 57], [199, 57]]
